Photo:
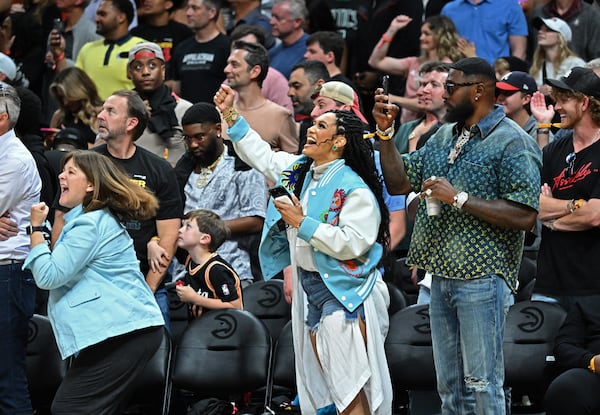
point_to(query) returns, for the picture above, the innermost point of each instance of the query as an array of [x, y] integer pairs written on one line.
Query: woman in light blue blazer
[[101, 309]]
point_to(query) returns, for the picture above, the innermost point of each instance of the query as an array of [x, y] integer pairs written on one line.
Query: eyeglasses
[[451, 86], [570, 169]]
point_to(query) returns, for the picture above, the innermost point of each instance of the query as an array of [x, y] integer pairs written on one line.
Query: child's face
[[189, 234]]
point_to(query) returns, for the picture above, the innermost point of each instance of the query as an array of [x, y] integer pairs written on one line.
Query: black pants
[[575, 392], [101, 378]]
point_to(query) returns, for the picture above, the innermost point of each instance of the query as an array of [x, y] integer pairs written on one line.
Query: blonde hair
[[539, 56], [75, 85], [445, 36], [113, 189]]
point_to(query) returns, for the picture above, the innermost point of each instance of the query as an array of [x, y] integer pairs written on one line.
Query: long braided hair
[[358, 155]]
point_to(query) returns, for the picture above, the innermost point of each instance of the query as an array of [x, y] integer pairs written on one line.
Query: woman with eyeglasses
[[439, 42], [329, 222]]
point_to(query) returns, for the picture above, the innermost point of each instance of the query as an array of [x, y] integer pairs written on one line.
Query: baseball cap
[[145, 50], [517, 81], [8, 67], [578, 79], [70, 136], [341, 92], [556, 25]]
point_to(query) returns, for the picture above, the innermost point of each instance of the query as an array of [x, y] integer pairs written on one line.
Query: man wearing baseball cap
[[570, 196], [343, 96], [163, 135], [514, 92]]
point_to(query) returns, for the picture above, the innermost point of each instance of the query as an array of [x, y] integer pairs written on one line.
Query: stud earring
[[334, 148]]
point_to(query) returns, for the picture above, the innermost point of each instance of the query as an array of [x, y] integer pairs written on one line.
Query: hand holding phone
[[385, 82], [280, 194]]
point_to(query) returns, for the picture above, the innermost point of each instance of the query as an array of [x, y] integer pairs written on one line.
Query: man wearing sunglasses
[[568, 263], [484, 170]]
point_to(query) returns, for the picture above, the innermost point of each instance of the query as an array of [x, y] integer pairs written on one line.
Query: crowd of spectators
[[83, 69]]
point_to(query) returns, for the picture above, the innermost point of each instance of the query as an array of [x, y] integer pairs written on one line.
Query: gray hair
[[10, 103], [298, 8]]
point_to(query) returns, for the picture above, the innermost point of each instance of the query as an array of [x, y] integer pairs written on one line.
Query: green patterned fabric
[[500, 161]]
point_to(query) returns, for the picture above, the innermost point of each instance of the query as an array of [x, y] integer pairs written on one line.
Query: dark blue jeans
[[17, 301]]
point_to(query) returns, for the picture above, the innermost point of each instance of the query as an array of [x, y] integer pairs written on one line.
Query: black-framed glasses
[[570, 169], [451, 86]]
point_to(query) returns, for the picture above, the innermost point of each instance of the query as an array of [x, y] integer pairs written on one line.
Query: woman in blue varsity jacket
[[332, 228]]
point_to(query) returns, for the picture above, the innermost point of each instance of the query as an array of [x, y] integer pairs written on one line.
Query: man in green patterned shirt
[[485, 171]]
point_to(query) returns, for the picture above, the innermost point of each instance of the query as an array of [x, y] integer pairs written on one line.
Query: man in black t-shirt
[[197, 64], [568, 259], [158, 27], [121, 121]]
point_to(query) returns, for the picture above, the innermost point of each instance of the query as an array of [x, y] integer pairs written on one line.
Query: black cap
[[579, 79], [516, 64], [71, 136], [475, 66]]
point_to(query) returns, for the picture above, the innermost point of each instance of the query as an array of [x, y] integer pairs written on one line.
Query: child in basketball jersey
[[210, 282]]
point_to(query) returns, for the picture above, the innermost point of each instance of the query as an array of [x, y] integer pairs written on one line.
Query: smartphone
[[281, 194], [58, 25], [385, 82]]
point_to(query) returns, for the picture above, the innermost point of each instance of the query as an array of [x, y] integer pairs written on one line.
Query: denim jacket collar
[[487, 124]]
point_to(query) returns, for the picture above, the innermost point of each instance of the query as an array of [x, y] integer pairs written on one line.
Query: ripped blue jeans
[[321, 302], [467, 330]]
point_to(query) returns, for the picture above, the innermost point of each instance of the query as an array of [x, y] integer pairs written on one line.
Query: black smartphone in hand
[[385, 83], [281, 194]]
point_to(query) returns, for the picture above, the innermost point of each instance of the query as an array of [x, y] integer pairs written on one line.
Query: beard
[[460, 112], [114, 133], [210, 154]]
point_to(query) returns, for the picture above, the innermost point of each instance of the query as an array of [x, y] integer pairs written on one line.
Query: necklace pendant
[[452, 156], [202, 180]]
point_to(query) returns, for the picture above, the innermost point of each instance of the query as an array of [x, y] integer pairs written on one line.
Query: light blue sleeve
[[72, 253]]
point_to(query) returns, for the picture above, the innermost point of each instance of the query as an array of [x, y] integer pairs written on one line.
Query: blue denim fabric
[[467, 329], [17, 301], [162, 300], [321, 302]]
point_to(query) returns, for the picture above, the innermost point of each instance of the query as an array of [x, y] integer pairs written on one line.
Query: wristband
[[592, 365], [550, 124], [384, 135], [384, 39], [573, 205], [58, 59], [155, 238], [544, 131]]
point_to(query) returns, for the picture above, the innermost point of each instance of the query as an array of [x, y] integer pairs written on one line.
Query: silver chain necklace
[[465, 135]]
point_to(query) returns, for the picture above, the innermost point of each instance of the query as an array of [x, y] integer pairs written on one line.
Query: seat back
[[178, 315], [266, 300], [531, 328], [408, 349], [152, 391], [397, 299], [284, 370], [224, 352], [45, 367]]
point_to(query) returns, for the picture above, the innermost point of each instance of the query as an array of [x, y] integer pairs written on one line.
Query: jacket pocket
[[78, 297]]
